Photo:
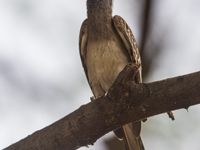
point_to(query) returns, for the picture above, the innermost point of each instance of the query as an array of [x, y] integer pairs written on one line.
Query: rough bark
[[125, 102]]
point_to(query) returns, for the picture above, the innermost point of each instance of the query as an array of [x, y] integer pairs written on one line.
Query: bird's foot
[[92, 98]]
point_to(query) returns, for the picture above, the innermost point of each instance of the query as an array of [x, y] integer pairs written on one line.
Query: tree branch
[[125, 102], [146, 23]]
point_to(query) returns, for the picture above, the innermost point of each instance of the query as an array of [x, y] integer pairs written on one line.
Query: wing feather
[[83, 38], [129, 41], [131, 130]]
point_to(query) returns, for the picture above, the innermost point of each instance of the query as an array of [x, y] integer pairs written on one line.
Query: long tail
[[130, 134], [132, 137]]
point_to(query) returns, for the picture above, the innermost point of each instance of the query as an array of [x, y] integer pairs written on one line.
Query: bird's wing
[[129, 41], [131, 130], [83, 38]]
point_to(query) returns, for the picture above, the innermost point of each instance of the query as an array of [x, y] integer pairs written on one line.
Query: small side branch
[[125, 102]]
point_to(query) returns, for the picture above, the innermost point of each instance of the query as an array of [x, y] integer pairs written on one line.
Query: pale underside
[[104, 61]]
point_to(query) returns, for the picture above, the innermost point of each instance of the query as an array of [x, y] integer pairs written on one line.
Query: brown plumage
[[107, 45]]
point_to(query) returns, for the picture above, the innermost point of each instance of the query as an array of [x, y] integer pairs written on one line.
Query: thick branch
[[125, 102]]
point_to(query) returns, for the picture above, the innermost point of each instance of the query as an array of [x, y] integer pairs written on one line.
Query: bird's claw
[[92, 98]]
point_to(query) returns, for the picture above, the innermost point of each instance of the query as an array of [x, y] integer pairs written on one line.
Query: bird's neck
[[99, 18]]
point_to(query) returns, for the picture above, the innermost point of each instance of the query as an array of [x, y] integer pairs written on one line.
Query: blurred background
[[42, 80]]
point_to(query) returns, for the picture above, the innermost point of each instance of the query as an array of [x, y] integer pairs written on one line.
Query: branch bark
[[125, 102]]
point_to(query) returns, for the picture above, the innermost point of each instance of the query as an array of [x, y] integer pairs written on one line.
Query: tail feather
[[132, 137], [130, 133], [138, 145]]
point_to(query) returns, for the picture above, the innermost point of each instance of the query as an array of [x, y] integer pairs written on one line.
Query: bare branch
[[125, 102], [146, 23]]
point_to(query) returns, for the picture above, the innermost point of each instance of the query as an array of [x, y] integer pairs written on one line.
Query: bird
[[106, 46]]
